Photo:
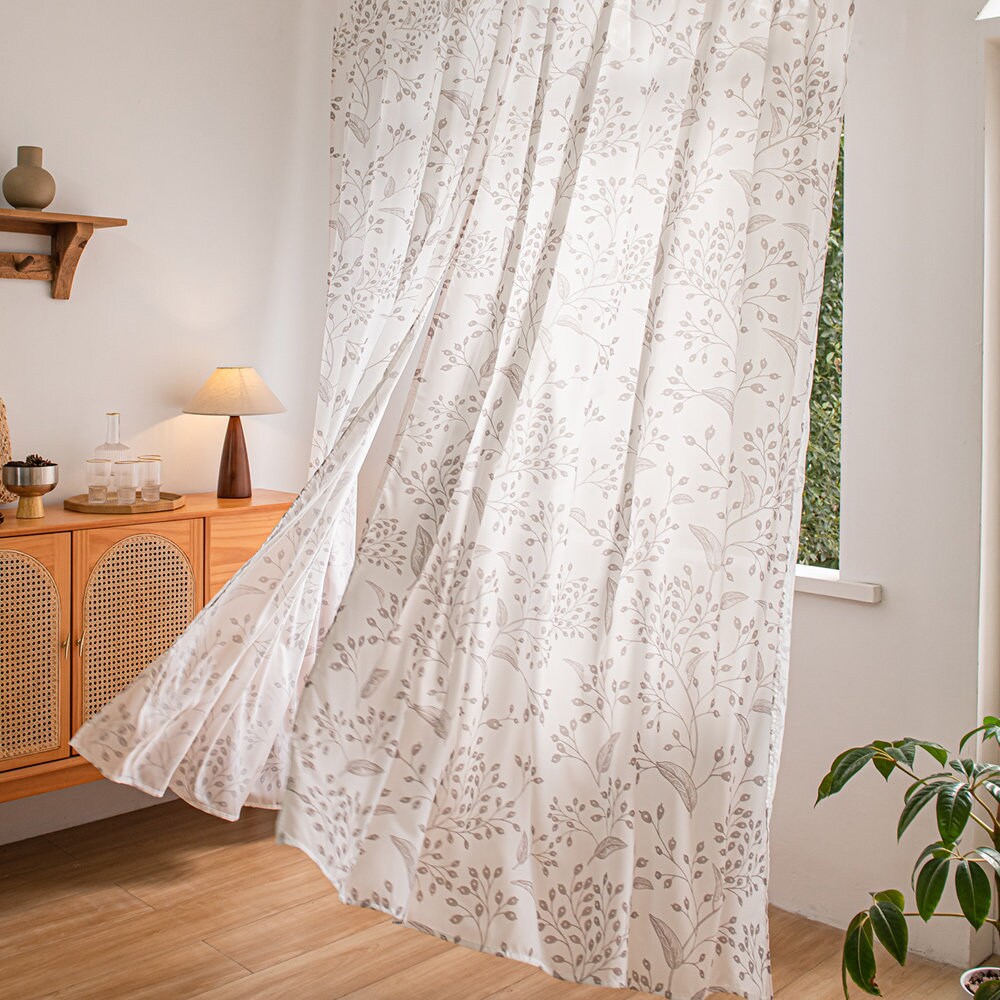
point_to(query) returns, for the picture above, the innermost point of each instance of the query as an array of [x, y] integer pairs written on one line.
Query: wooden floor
[[170, 903]]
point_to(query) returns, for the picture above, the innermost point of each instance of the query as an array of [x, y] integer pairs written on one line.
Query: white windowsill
[[828, 583]]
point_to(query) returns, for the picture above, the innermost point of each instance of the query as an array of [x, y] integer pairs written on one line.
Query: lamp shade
[[234, 392]]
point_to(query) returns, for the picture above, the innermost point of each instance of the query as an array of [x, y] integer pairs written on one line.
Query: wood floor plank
[[799, 945], [25, 932], [52, 885], [160, 842], [918, 980], [456, 974], [29, 855], [335, 970], [541, 986], [184, 972], [160, 930], [293, 931], [178, 839], [200, 874], [169, 903], [167, 823]]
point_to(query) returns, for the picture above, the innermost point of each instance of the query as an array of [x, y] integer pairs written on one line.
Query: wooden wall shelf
[[70, 235]]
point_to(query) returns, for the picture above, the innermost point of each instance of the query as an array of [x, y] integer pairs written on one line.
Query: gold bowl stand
[[30, 484]]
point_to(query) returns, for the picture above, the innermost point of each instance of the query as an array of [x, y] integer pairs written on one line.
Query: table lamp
[[234, 392]]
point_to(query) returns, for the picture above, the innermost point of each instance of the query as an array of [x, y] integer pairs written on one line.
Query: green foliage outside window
[[819, 544]]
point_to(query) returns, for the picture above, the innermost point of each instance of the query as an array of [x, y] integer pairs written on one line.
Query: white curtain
[[545, 721]]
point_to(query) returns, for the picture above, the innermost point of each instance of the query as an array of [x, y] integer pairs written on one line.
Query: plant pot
[[971, 979], [29, 185]]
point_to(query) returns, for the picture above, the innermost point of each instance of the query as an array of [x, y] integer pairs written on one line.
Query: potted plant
[[965, 791]]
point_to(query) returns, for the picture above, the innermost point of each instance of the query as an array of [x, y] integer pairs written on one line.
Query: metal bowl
[[30, 483]]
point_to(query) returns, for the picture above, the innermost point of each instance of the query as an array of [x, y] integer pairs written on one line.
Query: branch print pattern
[[545, 721]]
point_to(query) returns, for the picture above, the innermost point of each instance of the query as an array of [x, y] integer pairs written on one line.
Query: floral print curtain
[[545, 720]]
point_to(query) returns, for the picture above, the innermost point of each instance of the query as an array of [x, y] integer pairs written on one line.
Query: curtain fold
[[546, 719], [212, 717]]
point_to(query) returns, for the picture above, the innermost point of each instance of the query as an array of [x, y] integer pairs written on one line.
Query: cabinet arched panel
[[34, 665], [87, 601], [139, 590]]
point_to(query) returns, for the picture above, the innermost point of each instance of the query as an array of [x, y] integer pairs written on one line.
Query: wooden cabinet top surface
[[198, 505]]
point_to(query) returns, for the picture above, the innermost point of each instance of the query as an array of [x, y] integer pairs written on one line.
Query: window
[[819, 544]]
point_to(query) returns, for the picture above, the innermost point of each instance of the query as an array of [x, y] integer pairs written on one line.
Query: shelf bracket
[[69, 237], [68, 244]]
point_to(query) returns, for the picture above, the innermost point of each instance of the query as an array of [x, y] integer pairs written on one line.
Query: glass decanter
[[114, 450]]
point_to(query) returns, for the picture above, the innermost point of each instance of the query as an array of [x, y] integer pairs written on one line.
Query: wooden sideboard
[[87, 601]]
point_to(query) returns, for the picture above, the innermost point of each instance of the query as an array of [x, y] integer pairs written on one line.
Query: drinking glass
[[98, 476], [149, 477], [127, 480]]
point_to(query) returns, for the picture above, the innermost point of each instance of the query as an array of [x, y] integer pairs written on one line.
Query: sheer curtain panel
[[546, 720]]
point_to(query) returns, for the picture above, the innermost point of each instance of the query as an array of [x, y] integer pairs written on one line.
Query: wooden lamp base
[[234, 469]]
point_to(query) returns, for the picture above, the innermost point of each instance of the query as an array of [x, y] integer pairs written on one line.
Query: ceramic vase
[[29, 185]]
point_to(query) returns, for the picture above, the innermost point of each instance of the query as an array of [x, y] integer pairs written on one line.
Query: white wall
[[205, 125], [912, 464]]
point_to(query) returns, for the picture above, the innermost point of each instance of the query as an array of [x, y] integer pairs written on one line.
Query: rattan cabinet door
[[34, 652], [134, 591]]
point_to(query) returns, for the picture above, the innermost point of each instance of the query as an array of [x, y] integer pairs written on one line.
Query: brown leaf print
[[422, 545], [608, 846], [407, 853], [515, 375], [375, 678], [681, 781], [522, 849], [436, 718], [673, 950], [605, 754], [711, 545], [363, 768]]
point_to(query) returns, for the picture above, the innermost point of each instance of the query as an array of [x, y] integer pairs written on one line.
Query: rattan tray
[[167, 501]]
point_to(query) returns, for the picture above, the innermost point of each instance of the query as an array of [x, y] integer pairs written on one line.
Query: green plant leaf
[[893, 896], [954, 806], [991, 856], [973, 887], [939, 849], [843, 769], [938, 752], [966, 767], [824, 785], [884, 766], [939, 778], [859, 955], [990, 730], [890, 927], [990, 990], [919, 798], [968, 736], [930, 886]]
